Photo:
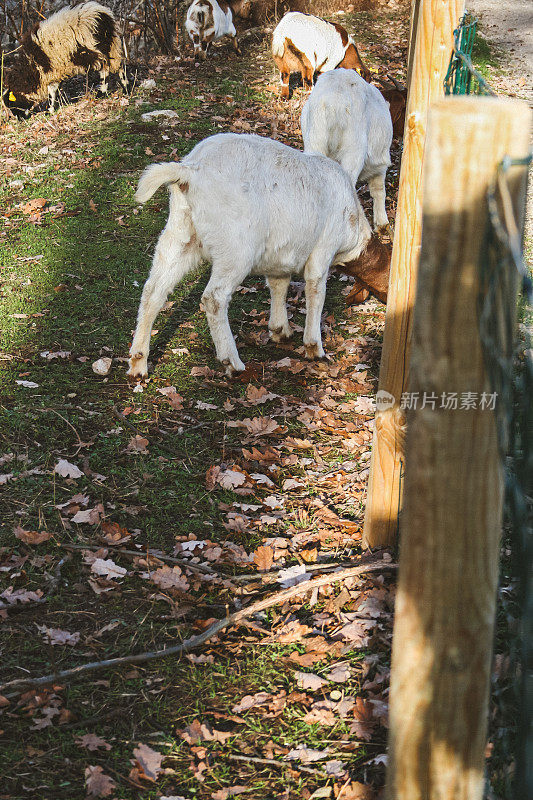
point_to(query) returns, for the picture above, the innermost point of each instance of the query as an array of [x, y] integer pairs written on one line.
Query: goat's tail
[[157, 175]]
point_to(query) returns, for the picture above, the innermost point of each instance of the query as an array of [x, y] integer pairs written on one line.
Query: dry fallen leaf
[[107, 568], [264, 557], [97, 783], [200, 732], [364, 723], [170, 578], [251, 701], [230, 478], [137, 444], [31, 537], [306, 754], [258, 395], [91, 516], [57, 636], [229, 791], [113, 533], [309, 681], [92, 742], [13, 596], [67, 470], [148, 761]]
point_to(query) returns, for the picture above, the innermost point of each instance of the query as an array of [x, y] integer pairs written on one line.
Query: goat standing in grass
[[348, 120], [310, 45], [251, 205], [208, 21], [68, 43]]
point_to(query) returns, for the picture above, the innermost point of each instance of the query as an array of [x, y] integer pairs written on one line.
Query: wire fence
[[462, 77], [505, 329]]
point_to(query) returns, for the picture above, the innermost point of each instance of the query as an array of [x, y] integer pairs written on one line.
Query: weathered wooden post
[[451, 521], [431, 52]]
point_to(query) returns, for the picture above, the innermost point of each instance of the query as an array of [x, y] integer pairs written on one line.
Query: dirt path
[[508, 24]]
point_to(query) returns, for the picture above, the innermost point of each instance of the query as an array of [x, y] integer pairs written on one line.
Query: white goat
[[308, 45], [209, 20], [67, 43], [253, 206], [348, 120]]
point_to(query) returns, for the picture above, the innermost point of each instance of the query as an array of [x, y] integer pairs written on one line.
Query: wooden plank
[[451, 522], [430, 57]]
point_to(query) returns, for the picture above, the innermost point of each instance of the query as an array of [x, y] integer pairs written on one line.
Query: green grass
[[77, 276]]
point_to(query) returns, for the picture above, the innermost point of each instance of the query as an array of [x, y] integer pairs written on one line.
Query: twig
[[146, 553], [196, 641], [271, 575], [271, 762], [53, 411]]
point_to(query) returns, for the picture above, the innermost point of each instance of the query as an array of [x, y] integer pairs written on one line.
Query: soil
[[508, 24]]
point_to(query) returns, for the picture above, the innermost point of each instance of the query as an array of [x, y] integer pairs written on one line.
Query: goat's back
[[319, 40], [344, 112], [89, 25], [276, 199]]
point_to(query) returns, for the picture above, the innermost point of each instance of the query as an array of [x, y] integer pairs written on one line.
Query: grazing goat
[[348, 120], [308, 45], [67, 43], [255, 206], [396, 96], [209, 20]]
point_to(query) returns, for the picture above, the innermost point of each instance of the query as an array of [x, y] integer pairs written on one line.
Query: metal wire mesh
[[505, 328], [509, 362], [462, 77]]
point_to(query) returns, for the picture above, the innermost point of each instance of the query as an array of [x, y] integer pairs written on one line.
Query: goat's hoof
[[384, 230], [280, 334], [314, 351], [233, 369], [138, 366]]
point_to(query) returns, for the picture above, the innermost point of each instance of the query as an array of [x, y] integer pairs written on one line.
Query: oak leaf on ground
[[31, 537], [97, 783]]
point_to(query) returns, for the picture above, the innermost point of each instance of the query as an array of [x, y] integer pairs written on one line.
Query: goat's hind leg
[[376, 187], [316, 276], [215, 300], [173, 259], [278, 324]]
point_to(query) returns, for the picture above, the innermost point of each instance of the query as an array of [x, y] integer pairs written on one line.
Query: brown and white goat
[[68, 43], [310, 45], [255, 181], [210, 20]]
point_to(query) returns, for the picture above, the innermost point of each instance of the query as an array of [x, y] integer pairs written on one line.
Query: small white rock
[[163, 112], [148, 83], [102, 366]]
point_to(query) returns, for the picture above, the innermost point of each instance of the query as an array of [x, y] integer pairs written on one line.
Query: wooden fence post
[[431, 52], [451, 522]]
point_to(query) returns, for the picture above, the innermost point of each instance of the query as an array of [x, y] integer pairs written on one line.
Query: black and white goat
[[67, 43], [210, 20], [251, 205], [348, 120]]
